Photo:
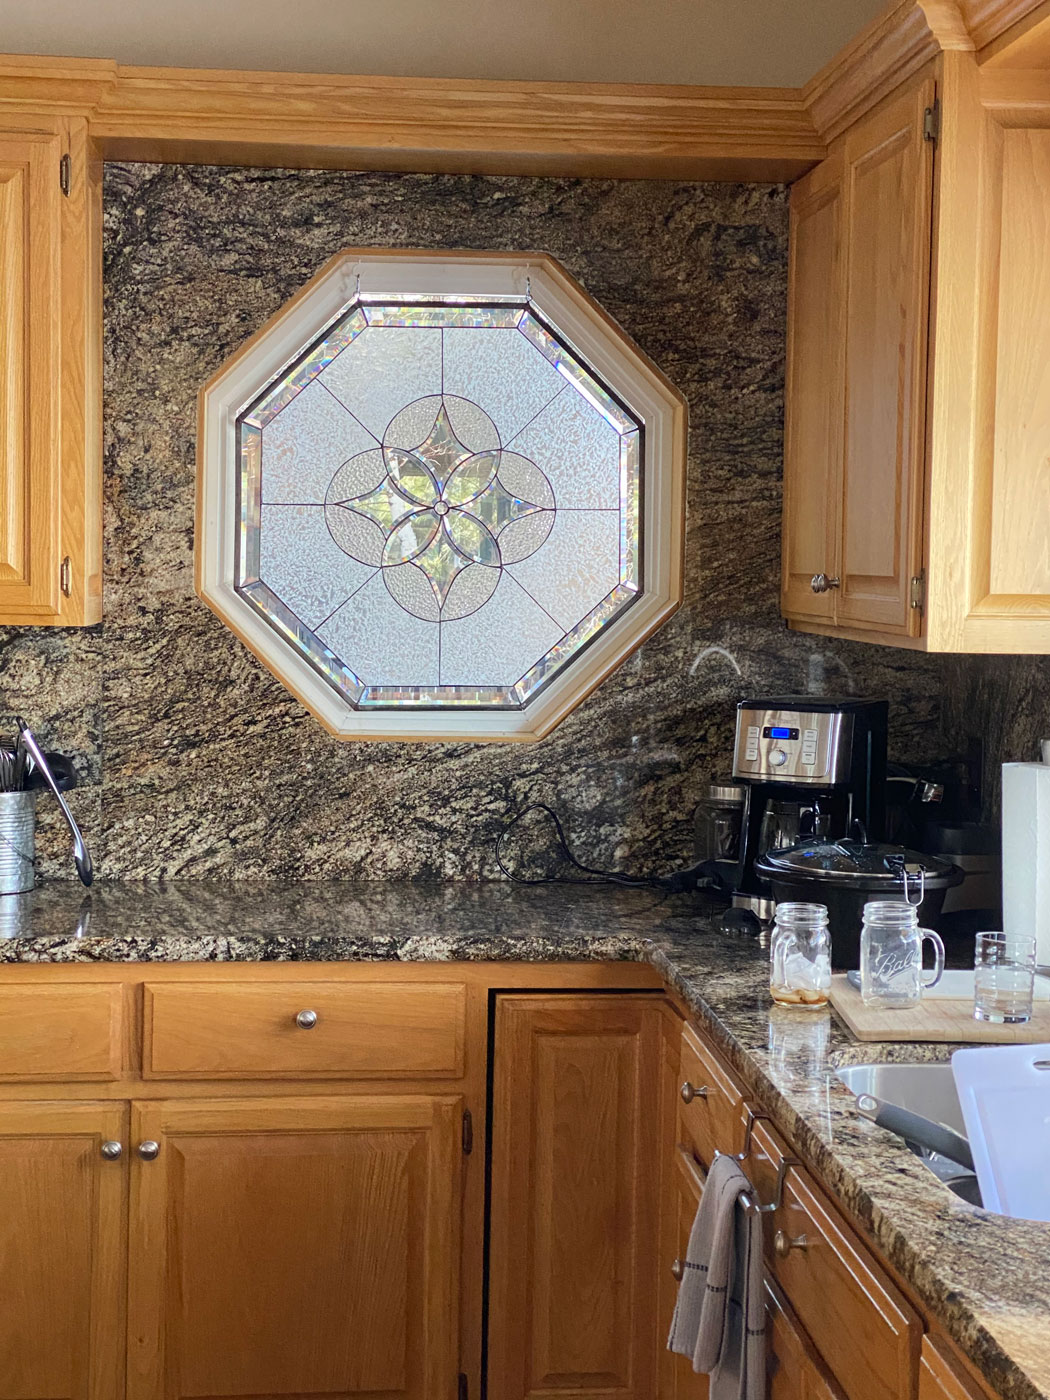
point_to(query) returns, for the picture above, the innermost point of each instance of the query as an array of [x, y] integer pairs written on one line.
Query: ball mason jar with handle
[[891, 956]]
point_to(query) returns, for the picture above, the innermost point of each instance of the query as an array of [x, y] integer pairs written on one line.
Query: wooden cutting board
[[935, 1018]]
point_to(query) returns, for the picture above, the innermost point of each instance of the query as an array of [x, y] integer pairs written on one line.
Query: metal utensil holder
[[17, 842]]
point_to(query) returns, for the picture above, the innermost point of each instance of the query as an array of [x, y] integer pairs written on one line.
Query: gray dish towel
[[720, 1317]]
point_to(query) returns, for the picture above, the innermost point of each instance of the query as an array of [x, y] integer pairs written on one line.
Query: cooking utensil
[[914, 1127], [844, 875], [1005, 1098], [62, 770], [81, 854]]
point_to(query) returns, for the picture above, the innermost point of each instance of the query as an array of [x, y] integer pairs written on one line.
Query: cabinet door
[[815, 388], [575, 1198], [941, 1377], [678, 1380], [30, 283], [50, 333], [796, 1371], [889, 188], [62, 1251], [296, 1247]]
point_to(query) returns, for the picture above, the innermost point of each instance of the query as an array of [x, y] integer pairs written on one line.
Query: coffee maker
[[807, 766]]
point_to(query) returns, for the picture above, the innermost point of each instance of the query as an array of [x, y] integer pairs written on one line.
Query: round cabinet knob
[[306, 1020], [820, 583], [678, 1269], [784, 1244], [148, 1150], [693, 1091], [777, 758], [112, 1151]]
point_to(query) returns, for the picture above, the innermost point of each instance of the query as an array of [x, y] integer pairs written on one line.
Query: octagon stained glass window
[[438, 497]]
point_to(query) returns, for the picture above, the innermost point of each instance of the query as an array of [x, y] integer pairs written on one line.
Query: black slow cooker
[[844, 875]]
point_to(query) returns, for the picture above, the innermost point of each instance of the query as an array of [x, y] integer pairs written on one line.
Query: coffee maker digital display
[[808, 766]]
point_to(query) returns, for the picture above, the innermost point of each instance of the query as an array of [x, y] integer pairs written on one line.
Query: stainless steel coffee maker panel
[[793, 746]]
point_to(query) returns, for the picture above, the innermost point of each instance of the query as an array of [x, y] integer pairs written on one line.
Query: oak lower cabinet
[[62, 1251], [576, 1148], [295, 1247]]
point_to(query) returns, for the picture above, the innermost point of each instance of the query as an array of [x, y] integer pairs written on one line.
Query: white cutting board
[[1004, 1091]]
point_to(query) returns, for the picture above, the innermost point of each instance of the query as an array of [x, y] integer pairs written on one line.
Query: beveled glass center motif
[[448, 512], [439, 504]]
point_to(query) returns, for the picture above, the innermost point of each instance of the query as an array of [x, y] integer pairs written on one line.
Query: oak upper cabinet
[[917, 484], [50, 379], [62, 1250], [854, 447], [813, 445], [295, 1246], [576, 1148]]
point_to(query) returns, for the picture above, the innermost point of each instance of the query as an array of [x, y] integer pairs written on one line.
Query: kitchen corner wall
[[195, 761]]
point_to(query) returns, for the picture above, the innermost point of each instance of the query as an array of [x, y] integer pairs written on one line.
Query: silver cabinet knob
[[306, 1020], [112, 1151], [783, 1244], [820, 583], [678, 1269], [148, 1150], [690, 1092]]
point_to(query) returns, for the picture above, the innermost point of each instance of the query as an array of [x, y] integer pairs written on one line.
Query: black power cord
[[704, 875]]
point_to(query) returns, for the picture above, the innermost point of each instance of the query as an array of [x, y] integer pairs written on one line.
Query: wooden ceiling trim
[[893, 47], [1025, 42], [990, 21], [179, 115]]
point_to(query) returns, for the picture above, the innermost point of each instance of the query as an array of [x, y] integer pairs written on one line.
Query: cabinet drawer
[[361, 1030], [709, 1110], [61, 1032], [860, 1324]]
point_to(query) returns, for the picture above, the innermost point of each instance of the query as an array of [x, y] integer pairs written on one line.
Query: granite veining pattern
[[196, 762], [984, 1276]]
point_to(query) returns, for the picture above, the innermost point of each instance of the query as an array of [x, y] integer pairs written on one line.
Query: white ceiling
[[768, 43]]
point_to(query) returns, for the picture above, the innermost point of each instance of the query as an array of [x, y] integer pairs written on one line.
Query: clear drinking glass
[[800, 956], [891, 955], [1003, 977]]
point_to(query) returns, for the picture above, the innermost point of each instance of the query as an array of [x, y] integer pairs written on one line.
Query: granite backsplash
[[194, 760]]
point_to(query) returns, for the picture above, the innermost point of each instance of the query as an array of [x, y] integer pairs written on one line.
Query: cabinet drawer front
[[710, 1119], [860, 1324], [69, 1032], [365, 1030]]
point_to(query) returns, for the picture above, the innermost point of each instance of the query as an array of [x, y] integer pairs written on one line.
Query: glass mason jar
[[891, 955], [800, 956]]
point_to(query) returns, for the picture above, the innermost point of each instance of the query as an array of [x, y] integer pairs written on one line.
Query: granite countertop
[[985, 1277]]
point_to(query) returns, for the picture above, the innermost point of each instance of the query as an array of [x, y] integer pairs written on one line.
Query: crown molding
[[893, 47], [232, 117]]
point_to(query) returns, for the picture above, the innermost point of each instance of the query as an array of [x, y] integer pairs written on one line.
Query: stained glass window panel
[[439, 504]]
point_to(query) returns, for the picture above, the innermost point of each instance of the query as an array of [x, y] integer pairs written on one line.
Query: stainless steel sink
[[927, 1089]]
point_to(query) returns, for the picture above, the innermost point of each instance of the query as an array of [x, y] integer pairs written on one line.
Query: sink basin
[[925, 1089]]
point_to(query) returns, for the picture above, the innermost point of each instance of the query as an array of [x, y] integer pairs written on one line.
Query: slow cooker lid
[[860, 862]]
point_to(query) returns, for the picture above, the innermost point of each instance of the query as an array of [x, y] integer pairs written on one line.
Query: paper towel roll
[[1026, 853]]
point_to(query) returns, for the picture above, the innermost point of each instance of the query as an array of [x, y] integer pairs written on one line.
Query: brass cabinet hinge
[[918, 591], [65, 173], [931, 122], [462, 1390], [65, 576], [468, 1133]]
